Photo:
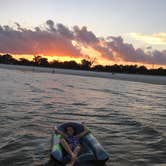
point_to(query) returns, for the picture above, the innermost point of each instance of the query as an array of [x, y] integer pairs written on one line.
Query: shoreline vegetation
[[84, 65], [118, 72]]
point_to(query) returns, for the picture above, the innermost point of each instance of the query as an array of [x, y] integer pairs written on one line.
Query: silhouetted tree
[[71, 65], [36, 59], [7, 59], [85, 65], [116, 68], [43, 62], [55, 64], [23, 61], [142, 70], [40, 61], [99, 68]]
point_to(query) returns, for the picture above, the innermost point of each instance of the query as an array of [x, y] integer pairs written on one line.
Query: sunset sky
[[112, 31]]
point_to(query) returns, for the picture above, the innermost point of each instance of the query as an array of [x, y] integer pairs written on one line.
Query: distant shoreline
[[159, 80]]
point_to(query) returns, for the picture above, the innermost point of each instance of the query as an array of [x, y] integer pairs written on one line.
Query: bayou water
[[128, 118]]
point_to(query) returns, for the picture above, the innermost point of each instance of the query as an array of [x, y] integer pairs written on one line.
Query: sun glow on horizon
[[100, 61], [49, 58]]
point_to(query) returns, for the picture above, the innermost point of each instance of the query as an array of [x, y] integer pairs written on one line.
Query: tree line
[[84, 65]]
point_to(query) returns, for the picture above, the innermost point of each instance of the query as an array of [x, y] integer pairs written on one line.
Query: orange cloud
[[60, 42]]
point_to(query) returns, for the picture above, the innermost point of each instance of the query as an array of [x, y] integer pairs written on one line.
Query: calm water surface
[[129, 119]]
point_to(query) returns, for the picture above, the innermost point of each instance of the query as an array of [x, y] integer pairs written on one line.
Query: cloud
[[128, 53], [53, 40], [156, 39], [88, 39], [84, 36], [50, 24], [59, 40]]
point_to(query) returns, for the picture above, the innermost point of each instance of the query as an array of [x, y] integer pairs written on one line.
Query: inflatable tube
[[96, 147], [91, 148]]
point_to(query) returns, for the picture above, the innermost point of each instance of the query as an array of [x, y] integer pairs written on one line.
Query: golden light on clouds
[[59, 42], [157, 38]]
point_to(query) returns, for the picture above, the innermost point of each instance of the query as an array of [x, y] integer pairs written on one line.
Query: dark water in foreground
[[129, 119]]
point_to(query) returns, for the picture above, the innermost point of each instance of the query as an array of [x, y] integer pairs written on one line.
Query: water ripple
[[127, 118]]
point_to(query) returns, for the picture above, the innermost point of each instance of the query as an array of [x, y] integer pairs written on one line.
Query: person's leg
[[76, 152], [67, 147]]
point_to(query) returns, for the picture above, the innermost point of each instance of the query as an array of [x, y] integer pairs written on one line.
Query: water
[[128, 118]]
